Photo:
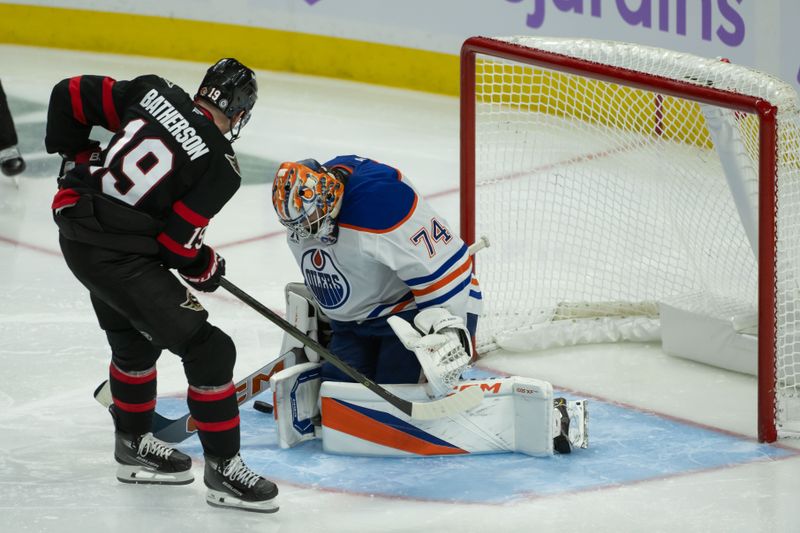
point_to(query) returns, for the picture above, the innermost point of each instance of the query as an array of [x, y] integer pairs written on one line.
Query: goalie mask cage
[[614, 179]]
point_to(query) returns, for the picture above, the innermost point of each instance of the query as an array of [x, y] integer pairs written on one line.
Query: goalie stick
[[180, 429], [449, 405]]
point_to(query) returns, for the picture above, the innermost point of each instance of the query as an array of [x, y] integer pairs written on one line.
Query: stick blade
[[449, 405], [173, 431], [103, 394]]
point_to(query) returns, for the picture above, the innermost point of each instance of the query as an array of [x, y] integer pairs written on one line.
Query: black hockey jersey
[[167, 158]]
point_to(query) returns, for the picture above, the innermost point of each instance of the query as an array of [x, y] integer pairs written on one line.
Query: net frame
[[766, 113]]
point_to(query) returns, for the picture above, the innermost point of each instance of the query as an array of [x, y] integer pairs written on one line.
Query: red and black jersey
[[167, 158]]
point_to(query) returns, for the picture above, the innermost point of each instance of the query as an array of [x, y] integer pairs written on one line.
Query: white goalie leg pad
[[303, 313], [295, 400], [516, 415]]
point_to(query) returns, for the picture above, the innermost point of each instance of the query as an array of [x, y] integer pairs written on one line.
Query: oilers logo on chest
[[324, 279]]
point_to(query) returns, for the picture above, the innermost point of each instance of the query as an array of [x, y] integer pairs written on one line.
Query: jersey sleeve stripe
[[406, 299], [475, 289], [399, 307], [175, 247], [387, 230], [75, 98], [445, 280], [446, 296], [195, 219], [441, 270], [108, 104]]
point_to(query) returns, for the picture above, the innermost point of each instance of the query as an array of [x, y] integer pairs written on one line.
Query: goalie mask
[[307, 201]]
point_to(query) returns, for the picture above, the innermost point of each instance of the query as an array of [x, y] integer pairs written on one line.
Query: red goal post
[[590, 164]]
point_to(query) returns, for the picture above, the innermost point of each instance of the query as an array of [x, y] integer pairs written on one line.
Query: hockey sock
[[216, 415], [134, 394]]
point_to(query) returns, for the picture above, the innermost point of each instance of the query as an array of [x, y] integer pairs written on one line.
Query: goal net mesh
[[603, 201]]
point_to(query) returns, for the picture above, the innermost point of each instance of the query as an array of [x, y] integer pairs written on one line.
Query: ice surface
[[673, 448]]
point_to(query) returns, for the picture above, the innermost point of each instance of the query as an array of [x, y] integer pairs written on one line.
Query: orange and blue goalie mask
[[307, 201]]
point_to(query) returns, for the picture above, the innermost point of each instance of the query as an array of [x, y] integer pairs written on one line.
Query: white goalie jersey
[[393, 253]]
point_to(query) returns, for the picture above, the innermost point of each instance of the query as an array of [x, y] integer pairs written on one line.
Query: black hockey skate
[[232, 484], [11, 162], [571, 421], [145, 459]]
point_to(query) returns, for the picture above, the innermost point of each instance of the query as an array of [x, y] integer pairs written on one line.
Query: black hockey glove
[[91, 155], [206, 280]]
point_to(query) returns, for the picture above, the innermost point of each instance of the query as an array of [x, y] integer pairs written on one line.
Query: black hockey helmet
[[230, 87]]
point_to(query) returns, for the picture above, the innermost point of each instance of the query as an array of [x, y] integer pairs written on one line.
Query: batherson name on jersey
[[175, 123]]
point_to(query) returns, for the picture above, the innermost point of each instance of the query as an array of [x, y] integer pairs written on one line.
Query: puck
[[263, 407]]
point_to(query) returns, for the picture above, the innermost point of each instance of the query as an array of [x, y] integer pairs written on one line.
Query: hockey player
[[375, 258], [370, 248], [11, 162], [129, 214]]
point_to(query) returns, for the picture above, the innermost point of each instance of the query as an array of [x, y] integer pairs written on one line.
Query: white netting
[[593, 192]]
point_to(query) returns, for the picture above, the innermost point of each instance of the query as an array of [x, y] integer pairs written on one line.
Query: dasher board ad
[[758, 34]]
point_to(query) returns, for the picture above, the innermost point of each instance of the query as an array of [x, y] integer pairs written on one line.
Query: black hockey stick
[[180, 429], [455, 403]]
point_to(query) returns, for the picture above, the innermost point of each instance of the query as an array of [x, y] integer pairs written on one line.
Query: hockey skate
[[145, 459], [570, 419], [11, 162], [232, 484]]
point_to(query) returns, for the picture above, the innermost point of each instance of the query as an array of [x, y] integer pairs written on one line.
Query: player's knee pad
[[304, 314], [296, 403], [208, 357], [131, 351]]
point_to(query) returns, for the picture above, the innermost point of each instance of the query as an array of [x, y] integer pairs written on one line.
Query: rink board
[[626, 446]]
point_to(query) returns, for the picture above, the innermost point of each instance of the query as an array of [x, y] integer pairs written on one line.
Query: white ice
[[56, 464]]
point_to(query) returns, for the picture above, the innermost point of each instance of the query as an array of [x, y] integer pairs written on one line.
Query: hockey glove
[[208, 279], [91, 155], [441, 343]]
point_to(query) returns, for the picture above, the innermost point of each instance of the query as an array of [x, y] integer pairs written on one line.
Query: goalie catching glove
[[441, 343]]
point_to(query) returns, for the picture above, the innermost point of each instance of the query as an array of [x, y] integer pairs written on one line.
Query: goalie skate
[[145, 459], [571, 425]]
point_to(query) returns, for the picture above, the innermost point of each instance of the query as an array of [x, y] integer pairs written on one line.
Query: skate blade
[[216, 498], [142, 475]]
